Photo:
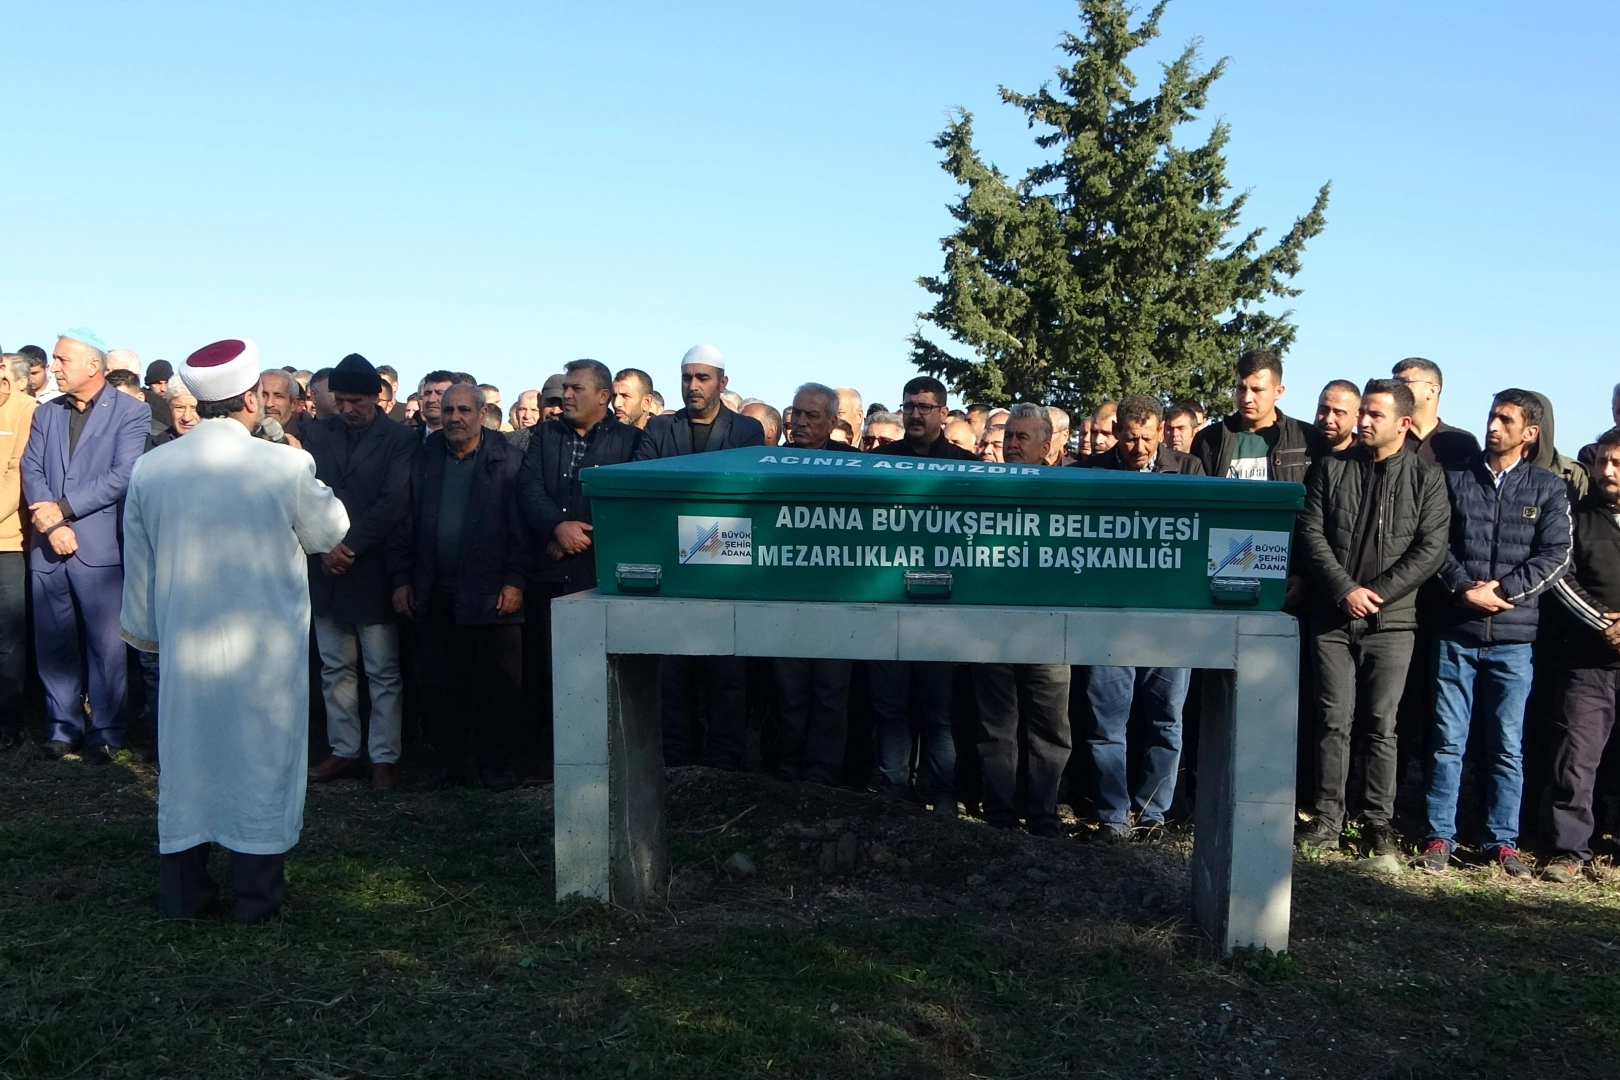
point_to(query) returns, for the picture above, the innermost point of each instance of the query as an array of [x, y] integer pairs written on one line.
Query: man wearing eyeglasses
[[923, 414], [1431, 438], [882, 429]]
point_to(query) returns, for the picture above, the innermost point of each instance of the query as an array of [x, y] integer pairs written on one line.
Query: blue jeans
[[1110, 691], [1500, 675], [893, 683]]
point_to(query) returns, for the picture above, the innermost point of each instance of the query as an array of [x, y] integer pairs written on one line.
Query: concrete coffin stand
[[609, 740]]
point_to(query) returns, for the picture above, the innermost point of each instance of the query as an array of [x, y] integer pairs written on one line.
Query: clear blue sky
[[501, 188]]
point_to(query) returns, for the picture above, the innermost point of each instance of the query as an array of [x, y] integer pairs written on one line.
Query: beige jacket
[[16, 417]]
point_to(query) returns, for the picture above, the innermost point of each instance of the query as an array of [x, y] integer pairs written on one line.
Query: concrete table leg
[[609, 807], [1242, 867]]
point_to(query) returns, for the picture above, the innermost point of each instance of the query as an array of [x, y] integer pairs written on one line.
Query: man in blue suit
[[704, 425], [75, 471]]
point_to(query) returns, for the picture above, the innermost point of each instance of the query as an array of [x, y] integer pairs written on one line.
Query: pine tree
[[1111, 269]]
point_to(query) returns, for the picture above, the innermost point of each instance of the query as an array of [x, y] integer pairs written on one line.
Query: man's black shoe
[[1046, 830], [100, 754], [57, 749], [1380, 842], [1317, 834]]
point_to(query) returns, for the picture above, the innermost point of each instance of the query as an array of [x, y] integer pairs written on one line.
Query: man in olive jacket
[[1374, 528]]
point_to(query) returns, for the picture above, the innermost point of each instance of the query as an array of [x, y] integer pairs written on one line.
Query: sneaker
[[1114, 834], [1508, 859], [1564, 870], [1316, 834], [1436, 857], [1147, 830], [1379, 840]]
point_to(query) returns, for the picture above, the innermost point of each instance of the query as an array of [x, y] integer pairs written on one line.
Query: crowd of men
[[1441, 587]]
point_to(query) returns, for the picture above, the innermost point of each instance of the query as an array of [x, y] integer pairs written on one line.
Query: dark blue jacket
[[548, 495], [93, 484], [1518, 534], [494, 542], [671, 436]]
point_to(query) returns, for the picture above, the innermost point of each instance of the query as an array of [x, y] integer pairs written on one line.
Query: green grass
[[421, 940]]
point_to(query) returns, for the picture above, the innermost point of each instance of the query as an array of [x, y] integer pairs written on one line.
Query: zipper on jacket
[[1496, 530]]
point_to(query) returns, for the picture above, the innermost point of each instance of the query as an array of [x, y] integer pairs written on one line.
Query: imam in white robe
[[217, 526]]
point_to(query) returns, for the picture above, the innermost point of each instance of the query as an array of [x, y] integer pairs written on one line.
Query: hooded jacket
[[1569, 470]]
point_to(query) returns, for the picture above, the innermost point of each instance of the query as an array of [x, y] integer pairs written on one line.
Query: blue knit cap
[[88, 337]]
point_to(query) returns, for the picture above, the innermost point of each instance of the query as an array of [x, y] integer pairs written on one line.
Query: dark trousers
[[13, 637], [725, 743], [1581, 727], [535, 735], [1046, 738], [893, 684], [77, 603], [188, 891], [813, 696], [1358, 673], [471, 680]]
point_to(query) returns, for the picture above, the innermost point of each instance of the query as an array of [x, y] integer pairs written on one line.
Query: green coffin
[[774, 523]]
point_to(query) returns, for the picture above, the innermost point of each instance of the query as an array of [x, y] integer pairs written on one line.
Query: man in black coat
[[365, 458], [459, 566], [1374, 529], [704, 424], [558, 515], [897, 683]]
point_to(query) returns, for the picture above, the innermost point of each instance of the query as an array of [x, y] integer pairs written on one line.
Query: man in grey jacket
[[1374, 528]]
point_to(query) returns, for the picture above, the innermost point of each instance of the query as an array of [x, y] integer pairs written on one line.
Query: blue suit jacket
[[671, 436], [93, 483]]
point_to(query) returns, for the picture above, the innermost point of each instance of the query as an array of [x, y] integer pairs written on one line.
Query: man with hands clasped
[[1373, 530], [1510, 542], [459, 566]]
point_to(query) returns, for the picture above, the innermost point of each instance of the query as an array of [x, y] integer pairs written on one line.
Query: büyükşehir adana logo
[[1248, 553], [715, 540]]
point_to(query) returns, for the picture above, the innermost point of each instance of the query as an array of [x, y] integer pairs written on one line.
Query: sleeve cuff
[[67, 511]]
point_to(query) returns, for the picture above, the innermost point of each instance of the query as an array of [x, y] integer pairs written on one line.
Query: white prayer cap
[[221, 371], [704, 354], [123, 359]]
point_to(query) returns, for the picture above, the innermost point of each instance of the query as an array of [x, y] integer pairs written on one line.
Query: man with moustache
[[703, 425], [813, 694], [459, 569], [896, 683], [1373, 530], [633, 398], [1336, 411], [1028, 698], [1123, 808], [365, 458]]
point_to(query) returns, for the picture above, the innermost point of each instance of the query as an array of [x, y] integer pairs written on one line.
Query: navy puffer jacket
[[1518, 535]]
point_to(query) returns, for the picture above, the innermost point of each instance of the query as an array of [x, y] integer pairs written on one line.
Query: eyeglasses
[[921, 408]]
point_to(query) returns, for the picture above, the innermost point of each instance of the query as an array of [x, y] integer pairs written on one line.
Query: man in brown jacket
[[16, 415]]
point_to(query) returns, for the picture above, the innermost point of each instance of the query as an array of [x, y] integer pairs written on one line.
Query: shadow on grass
[[420, 940]]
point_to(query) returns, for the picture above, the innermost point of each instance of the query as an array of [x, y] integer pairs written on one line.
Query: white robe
[[216, 528]]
